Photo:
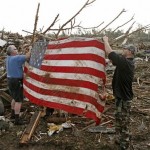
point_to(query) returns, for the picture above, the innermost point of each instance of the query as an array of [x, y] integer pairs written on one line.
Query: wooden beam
[[26, 136], [6, 96]]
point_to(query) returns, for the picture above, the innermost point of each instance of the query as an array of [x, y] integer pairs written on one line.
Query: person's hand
[[28, 55], [105, 38], [107, 48]]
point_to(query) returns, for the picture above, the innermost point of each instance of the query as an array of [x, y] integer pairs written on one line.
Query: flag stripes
[[68, 77]]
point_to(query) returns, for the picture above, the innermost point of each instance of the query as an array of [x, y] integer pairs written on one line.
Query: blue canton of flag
[[37, 53]]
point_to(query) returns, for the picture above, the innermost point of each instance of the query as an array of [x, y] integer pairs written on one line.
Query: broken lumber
[[6, 96], [26, 136]]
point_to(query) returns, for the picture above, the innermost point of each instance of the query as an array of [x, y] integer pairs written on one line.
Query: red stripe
[[91, 57], [25, 69], [70, 109], [67, 82], [68, 95], [65, 69], [82, 70], [91, 43]]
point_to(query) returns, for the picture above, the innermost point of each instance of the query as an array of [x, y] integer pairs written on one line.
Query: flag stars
[[37, 54]]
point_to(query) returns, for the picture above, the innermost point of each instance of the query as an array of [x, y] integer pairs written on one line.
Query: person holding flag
[[14, 69], [122, 90]]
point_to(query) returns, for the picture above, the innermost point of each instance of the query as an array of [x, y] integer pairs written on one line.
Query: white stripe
[[65, 101], [71, 76], [75, 63], [63, 88], [76, 50], [71, 39]]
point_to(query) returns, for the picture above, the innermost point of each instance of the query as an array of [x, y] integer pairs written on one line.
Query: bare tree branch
[[52, 24], [91, 2], [60, 29], [35, 24], [124, 24], [112, 21], [124, 35], [91, 27], [142, 28]]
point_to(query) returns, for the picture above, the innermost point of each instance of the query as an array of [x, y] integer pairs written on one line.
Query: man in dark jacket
[[122, 90]]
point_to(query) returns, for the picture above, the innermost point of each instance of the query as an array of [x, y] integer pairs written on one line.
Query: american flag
[[66, 75]]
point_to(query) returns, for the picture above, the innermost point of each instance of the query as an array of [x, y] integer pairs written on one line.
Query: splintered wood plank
[[26, 136], [3, 76], [6, 96]]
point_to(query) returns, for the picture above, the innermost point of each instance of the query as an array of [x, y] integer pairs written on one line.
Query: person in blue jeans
[[14, 69], [122, 90]]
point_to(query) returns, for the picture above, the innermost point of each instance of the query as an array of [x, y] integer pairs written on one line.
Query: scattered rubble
[[81, 133]]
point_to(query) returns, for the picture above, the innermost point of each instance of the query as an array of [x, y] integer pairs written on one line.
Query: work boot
[[117, 142], [19, 121], [49, 112], [12, 114]]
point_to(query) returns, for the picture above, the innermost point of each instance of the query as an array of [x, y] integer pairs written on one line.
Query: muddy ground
[[79, 137]]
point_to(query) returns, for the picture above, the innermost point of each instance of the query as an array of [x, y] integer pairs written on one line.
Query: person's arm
[[114, 57], [108, 49], [28, 55]]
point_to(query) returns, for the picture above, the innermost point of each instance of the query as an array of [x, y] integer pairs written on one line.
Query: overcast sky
[[18, 15]]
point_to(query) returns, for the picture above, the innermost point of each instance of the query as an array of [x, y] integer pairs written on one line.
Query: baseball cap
[[10, 48], [130, 47]]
